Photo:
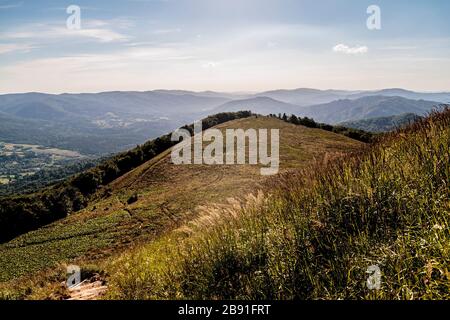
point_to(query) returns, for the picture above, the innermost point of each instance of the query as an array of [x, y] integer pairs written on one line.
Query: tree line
[[356, 134]]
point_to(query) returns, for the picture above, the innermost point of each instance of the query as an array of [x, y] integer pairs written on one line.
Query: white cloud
[[94, 23], [11, 6], [131, 57], [15, 47], [408, 48], [342, 48], [210, 65], [93, 29], [102, 35], [167, 31]]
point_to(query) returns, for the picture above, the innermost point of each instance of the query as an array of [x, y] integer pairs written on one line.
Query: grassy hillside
[[317, 232], [149, 202]]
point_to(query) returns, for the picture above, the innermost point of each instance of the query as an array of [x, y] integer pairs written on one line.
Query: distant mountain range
[[306, 97], [442, 97], [366, 107], [335, 111], [93, 106], [99, 123]]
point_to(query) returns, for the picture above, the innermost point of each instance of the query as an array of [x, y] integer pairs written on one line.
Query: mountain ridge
[[367, 107]]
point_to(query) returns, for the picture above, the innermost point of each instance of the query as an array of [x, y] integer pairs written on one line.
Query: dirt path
[[88, 290]]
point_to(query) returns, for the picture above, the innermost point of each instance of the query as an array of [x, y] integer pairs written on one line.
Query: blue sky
[[223, 45]]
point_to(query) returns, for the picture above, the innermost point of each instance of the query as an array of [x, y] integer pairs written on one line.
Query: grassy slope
[[168, 198], [317, 232]]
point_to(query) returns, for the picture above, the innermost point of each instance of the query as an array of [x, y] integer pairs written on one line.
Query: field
[[18, 161], [168, 197], [20, 148]]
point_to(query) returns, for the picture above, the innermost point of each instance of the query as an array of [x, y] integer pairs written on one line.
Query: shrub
[[132, 199]]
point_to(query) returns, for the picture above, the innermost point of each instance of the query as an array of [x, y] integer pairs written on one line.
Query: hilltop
[[155, 198]]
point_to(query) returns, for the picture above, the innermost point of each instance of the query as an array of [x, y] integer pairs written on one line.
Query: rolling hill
[[261, 105], [305, 96], [442, 97], [366, 107], [335, 106], [153, 103], [147, 203]]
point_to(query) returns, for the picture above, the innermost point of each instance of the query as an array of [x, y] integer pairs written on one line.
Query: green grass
[[38, 250], [316, 233]]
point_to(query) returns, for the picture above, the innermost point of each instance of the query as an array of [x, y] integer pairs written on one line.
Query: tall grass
[[317, 232]]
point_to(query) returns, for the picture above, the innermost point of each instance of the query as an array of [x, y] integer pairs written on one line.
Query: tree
[[293, 119]]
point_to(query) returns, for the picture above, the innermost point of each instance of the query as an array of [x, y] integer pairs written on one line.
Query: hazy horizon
[[233, 92], [227, 46]]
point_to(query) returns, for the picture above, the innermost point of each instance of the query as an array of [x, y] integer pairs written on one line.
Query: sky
[[223, 45]]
